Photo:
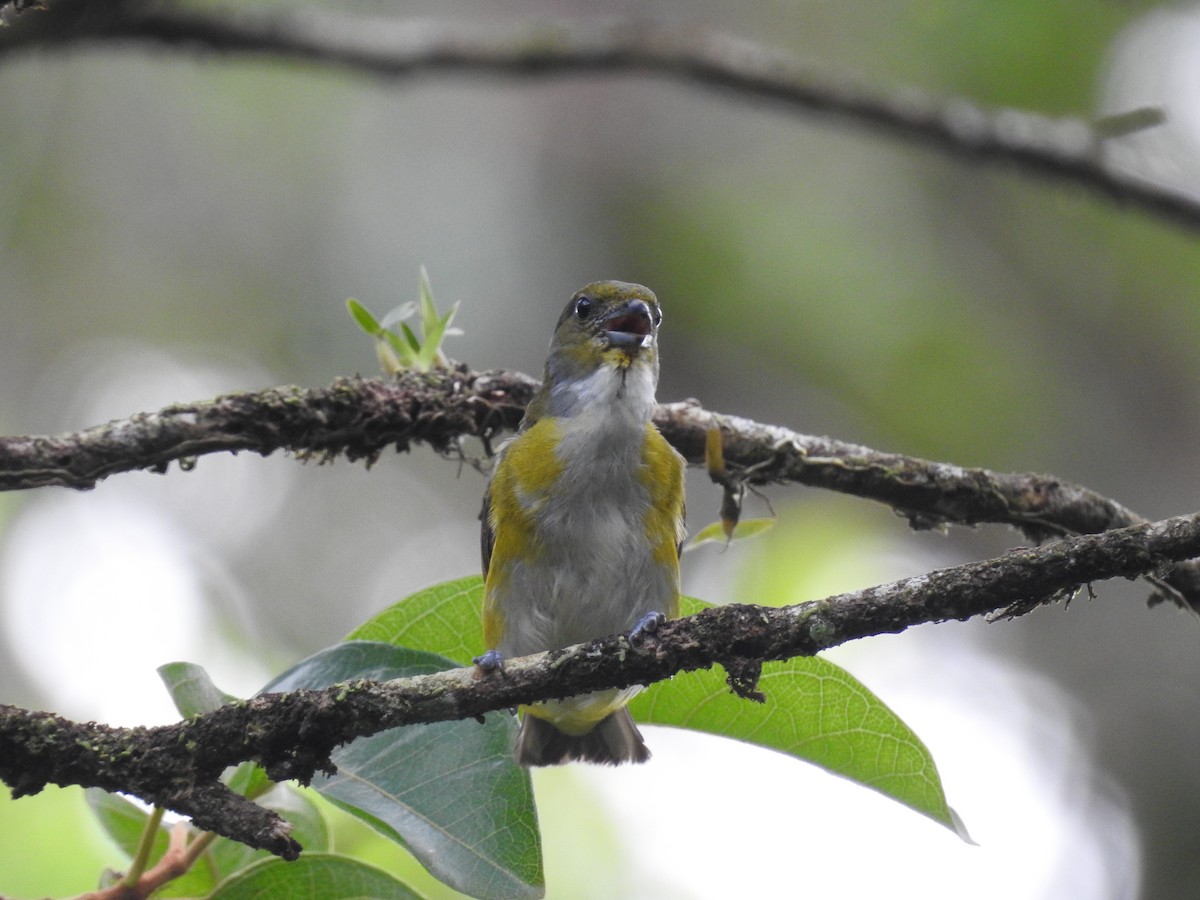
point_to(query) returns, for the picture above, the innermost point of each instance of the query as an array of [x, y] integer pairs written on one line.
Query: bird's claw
[[647, 624], [491, 661]]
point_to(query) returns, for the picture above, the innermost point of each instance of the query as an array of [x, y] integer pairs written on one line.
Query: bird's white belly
[[595, 574]]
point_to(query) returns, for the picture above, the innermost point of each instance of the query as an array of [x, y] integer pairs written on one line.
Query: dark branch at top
[[361, 417], [1070, 149]]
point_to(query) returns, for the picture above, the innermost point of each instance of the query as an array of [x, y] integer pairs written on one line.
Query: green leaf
[[815, 710], [450, 791], [445, 619], [393, 352], [250, 780], [410, 338], [191, 689], [715, 532], [445, 321], [401, 348], [363, 317], [323, 875], [121, 820], [433, 325], [124, 822], [434, 335]]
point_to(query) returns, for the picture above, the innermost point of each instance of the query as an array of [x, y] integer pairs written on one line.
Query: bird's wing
[[682, 531], [487, 537]]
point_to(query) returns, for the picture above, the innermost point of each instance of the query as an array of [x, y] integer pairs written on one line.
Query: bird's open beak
[[629, 326]]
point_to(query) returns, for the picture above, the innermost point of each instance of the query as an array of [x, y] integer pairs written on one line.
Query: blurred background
[[177, 225]]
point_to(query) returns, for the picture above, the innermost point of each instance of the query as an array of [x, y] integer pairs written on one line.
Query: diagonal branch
[[292, 734], [361, 417], [1069, 149]]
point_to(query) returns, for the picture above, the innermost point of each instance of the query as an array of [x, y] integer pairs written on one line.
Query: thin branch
[[137, 867], [292, 735], [1069, 149], [361, 417], [178, 858]]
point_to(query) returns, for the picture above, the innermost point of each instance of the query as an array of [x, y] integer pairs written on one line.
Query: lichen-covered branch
[[1068, 149], [292, 735], [359, 418], [929, 494], [354, 417]]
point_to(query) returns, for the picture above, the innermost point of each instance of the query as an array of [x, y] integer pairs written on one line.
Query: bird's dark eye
[[583, 307], [656, 315]]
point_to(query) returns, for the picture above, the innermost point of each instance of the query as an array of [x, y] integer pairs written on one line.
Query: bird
[[583, 519]]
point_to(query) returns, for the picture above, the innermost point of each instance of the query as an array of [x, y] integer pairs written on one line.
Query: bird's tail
[[614, 740]]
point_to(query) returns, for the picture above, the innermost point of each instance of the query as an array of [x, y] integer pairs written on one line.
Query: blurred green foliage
[[812, 275], [34, 828]]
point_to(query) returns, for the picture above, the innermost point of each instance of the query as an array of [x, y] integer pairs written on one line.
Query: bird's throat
[[624, 392]]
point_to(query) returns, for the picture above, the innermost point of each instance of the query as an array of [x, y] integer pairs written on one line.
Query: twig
[[141, 858], [292, 734], [178, 858], [1069, 149]]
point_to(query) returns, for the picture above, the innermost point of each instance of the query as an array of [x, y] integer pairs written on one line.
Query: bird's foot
[[491, 661], [647, 624]]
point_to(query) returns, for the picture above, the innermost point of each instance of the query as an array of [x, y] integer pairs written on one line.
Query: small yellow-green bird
[[583, 519]]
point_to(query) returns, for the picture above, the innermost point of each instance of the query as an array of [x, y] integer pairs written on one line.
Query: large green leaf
[[322, 875], [450, 792], [445, 619], [815, 710]]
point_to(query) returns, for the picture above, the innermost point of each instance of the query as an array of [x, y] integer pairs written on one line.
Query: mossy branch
[[292, 735], [360, 418]]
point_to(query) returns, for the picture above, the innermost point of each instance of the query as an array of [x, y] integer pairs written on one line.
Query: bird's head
[[609, 328]]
